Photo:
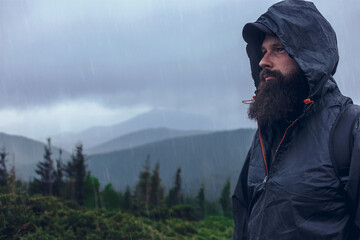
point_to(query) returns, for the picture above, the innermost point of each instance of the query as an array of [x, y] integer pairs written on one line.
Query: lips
[[268, 77]]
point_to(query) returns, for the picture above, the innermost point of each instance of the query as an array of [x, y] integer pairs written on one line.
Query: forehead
[[270, 41]]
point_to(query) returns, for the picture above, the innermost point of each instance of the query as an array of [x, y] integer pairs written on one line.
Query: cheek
[[289, 66]]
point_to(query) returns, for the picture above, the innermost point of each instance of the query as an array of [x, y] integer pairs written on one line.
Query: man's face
[[282, 87], [275, 59]]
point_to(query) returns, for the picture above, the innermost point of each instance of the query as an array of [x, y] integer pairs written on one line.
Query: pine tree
[[110, 198], [3, 170], [142, 190], [13, 179], [157, 191], [127, 204], [76, 171], [201, 200], [59, 183], [45, 170], [92, 186], [225, 200], [175, 194]]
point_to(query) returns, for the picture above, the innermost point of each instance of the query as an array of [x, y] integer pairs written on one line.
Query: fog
[[71, 65]]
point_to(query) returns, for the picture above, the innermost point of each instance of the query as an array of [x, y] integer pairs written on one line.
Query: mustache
[[269, 73]]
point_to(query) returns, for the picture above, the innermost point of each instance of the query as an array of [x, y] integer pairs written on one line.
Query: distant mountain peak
[[145, 136], [154, 118]]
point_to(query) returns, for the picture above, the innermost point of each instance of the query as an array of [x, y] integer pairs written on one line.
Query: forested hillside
[[65, 201], [207, 159]]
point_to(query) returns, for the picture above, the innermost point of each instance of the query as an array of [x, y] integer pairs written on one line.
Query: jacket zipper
[[276, 151], [306, 101]]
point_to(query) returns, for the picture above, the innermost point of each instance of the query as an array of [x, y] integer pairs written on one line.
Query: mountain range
[[24, 153], [155, 118], [118, 153], [141, 137], [28, 147], [207, 159]]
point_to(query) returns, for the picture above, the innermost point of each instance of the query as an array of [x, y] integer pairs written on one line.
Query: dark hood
[[308, 38]]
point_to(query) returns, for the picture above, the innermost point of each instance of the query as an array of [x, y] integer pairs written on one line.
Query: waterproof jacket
[[300, 196]]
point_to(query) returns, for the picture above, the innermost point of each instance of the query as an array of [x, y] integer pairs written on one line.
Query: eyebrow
[[274, 45]]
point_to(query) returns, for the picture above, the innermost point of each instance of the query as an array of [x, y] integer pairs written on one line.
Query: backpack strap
[[342, 141]]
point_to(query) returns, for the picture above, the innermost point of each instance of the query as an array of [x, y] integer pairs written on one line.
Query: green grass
[[39, 217]]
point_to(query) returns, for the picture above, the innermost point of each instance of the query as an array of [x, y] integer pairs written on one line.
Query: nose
[[265, 62]]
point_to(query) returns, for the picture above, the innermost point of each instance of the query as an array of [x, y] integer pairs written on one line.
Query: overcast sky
[[69, 65]]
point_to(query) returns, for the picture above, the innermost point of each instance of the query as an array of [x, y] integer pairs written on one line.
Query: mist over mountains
[[60, 60], [124, 54], [155, 118], [141, 137], [25, 153], [205, 157]]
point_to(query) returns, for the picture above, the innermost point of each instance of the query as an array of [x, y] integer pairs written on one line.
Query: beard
[[280, 100]]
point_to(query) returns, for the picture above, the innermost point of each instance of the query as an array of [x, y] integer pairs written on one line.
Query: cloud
[[186, 55], [74, 116], [152, 52]]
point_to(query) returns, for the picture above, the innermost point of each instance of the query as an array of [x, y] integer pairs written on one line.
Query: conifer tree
[[12, 179], [92, 186], [201, 200], [59, 183], [76, 171], [175, 194], [142, 190], [225, 199], [110, 198], [157, 190], [3, 170], [127, 204], [45, 170]]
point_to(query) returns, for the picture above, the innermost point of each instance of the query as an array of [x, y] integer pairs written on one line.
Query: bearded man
[[288, 187]]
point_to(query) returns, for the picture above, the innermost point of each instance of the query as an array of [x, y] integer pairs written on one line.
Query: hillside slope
[[152, 119], [141, 137], [25, 153], [207, 158]]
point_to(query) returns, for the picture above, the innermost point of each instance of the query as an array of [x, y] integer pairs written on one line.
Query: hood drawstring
[[307, 102], [249, 101]]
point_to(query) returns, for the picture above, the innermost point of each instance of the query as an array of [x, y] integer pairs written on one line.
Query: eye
[[280, 49]]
